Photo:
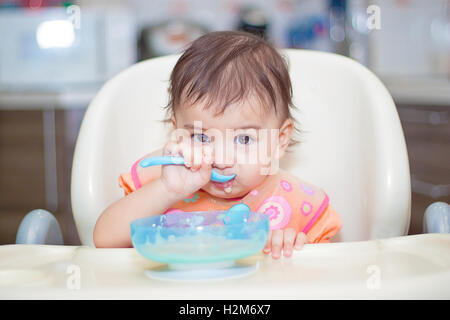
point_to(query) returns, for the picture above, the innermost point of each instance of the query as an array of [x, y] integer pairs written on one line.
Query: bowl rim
[[137, 223]]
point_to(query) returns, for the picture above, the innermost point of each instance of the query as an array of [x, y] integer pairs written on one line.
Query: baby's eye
[[243, 139], [200, 137]]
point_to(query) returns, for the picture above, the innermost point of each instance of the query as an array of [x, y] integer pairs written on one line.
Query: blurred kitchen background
[[55, 55]]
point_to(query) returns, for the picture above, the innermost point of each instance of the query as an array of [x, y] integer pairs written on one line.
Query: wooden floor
[[22, 182]]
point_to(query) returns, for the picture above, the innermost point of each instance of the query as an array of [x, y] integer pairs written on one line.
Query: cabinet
[[427, 134], [23, 169]]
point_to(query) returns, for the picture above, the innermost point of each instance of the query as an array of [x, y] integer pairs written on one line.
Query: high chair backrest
[[352, 143]]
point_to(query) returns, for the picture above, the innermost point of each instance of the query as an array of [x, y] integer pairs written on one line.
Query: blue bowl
[[200, 237]]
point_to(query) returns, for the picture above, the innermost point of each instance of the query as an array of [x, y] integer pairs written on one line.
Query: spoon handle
[[165, 160]]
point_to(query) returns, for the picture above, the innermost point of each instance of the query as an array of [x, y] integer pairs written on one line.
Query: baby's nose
[[221, 166], [222, 161]]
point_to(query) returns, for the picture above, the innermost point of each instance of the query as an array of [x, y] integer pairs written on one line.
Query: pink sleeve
[[328, 224], [137, 177], [126, 183]]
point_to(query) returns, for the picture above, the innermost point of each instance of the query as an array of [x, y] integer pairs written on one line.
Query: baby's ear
[[174, 122], [284, 136]]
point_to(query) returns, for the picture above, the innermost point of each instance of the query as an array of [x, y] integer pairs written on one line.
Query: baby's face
[[246, 142]]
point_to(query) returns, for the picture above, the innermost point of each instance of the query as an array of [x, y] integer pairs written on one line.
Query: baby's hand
[[286, 240], [186, 179]]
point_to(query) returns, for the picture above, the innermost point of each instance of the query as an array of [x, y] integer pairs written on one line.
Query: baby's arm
[[171, 184], [113, 226]]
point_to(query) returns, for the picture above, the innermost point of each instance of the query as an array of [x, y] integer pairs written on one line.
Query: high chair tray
[[411, 267]]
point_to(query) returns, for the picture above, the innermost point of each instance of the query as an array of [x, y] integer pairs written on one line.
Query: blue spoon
[[164, 160], [237, 214]]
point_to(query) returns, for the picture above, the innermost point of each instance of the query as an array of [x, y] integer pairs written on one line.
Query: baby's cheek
[[250, 176]]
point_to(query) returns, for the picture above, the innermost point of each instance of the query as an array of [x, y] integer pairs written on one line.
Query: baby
[[230, 100]]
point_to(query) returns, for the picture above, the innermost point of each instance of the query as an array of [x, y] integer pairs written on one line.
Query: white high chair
[[352, 146], [352, 142]]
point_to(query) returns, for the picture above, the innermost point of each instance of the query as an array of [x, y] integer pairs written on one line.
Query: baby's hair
[[226, 67]]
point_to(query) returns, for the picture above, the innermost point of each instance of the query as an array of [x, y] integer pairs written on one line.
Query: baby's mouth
[[226, 186]]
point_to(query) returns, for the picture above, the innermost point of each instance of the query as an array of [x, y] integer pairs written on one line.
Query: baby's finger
[[206, 165], [300, 241], [268, 246], [186, 152], [208, 154], [171, 149], [277, 243], [289, 239], [197, 158]]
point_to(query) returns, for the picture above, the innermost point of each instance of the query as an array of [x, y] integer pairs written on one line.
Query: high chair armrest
[[437, 218], [39, 227]]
